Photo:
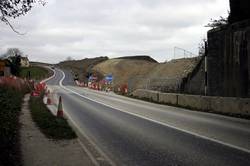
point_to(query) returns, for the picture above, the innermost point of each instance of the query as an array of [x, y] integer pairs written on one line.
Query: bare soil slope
[[147, 74], [124, 69], [136, 71], [81, 67]]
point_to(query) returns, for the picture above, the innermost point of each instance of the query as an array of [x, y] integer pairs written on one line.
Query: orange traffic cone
[[60, 109]]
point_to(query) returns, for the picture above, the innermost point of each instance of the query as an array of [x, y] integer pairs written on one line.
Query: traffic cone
[[48, 92], [60, 109], [126, 90]]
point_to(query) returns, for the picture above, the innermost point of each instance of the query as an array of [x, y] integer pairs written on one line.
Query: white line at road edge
[[92, 158], [154, 121], [95, 162], [47, 79]]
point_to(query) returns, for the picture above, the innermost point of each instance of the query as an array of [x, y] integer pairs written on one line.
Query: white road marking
[[47, 79], [92, 158], [154, 121], [88, 153], [78, 128]]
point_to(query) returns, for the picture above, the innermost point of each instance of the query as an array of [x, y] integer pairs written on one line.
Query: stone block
[[191, 101], [168, 98]]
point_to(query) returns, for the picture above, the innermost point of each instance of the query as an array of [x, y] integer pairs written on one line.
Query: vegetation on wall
[[239, 11]]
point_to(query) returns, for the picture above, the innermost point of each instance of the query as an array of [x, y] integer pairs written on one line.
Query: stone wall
[[224, 105], [195, 82], [240, 10], [229, 60]]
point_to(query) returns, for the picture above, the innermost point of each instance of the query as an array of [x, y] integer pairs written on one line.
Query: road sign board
[[91, 78], [109, 78]]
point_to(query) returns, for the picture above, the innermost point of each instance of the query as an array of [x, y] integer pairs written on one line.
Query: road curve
[[133, 132]]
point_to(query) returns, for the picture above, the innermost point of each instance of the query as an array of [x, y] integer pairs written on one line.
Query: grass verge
[[36, 72], [53, 127], [10, 106]]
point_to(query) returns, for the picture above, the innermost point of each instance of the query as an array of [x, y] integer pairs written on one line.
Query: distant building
[[5, 68], [24, 62]]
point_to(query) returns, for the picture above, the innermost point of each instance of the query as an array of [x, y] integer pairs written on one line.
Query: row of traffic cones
[[60, 108]]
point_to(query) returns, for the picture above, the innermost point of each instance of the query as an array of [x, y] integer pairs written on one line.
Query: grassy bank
[[51, 126], [36, 72], [10, 106]]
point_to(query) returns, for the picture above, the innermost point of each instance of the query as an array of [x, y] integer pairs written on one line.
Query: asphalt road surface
[[134, 132]]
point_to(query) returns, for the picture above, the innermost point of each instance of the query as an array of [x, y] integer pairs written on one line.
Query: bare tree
[[12, 52], [15, 8], [201, 47], [69, 58], [217, 23]]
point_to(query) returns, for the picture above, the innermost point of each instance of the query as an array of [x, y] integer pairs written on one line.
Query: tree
[[217, 23], [69, 58], [15, 64], [14, 56], [201, 47], [12, 52], [15, 8]]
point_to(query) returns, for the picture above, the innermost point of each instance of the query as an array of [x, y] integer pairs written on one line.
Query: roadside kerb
[[93, 152]]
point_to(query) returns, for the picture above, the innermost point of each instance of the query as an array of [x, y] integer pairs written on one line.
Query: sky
[[91, 28]]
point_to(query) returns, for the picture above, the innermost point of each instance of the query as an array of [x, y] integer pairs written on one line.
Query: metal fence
[[182, 53]]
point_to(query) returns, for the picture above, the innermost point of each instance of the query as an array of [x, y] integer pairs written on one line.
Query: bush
[[10, 106], [53, 127]]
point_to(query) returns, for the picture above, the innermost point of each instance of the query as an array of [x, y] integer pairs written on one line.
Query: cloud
[[89, 28]]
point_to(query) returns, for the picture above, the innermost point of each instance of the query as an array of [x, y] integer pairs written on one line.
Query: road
[[134, 132]]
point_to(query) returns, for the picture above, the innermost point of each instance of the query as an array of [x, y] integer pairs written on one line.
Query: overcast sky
[[113, 28]]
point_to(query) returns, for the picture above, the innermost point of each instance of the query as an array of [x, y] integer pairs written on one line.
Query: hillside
[[125, 69], [135, 71], [139, 57], [81, 67], [39, 64], [168, 76], [147, 74]]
